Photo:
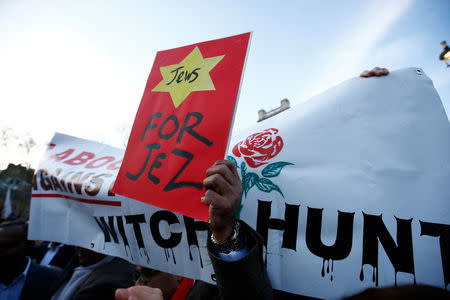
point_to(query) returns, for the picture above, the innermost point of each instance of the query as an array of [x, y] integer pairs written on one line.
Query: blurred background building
[[263, 115]]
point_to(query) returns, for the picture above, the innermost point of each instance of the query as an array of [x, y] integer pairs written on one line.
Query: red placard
[[183, 124]]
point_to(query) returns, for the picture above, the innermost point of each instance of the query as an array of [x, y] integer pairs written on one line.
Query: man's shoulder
[[43, 272], [116, 264], [116, 272], [105, 279], [38, 282]]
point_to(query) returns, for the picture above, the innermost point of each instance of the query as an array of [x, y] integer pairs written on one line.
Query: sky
[[80, 67]]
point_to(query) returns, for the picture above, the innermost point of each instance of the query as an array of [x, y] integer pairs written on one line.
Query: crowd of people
[[29, 270]]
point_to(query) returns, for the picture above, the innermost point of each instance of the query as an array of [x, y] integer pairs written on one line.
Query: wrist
[[235, 242], [223, 230], [222, 235]]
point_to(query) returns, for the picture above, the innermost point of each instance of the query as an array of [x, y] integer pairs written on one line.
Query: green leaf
[[238, 212], [249, 181], [231, 158], [273, 170], [243, 169], [266, 185]]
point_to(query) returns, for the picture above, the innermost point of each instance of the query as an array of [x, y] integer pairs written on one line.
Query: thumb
[[122, 294]]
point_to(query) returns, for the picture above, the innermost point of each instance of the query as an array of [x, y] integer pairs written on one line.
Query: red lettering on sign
[[103, 161], [63, 155], [115, 166], [80, 159]]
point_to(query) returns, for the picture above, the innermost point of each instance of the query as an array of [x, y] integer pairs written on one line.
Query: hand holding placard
[[223, 193]]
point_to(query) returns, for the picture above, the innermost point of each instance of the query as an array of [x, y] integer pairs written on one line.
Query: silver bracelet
[[232, 244]]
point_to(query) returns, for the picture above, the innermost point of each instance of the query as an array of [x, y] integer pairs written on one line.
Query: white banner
[[349, 189]]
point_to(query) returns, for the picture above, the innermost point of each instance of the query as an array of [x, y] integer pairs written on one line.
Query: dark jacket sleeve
[[245, 278], [102, 283]]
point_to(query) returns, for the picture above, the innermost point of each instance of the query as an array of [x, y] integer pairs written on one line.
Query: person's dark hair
[[144, 275]]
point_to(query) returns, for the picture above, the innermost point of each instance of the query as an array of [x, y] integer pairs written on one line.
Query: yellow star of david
[[190, 75]]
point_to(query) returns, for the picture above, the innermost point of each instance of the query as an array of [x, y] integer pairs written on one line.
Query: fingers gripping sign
[[223, 194], [375, 72], [139, 292]]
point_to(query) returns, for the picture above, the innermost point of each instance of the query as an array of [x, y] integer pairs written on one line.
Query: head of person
[[88, 257], [54, 245], [13, 248], [166, 282]]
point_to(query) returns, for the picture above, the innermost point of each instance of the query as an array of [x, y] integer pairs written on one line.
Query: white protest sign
[[350, 190]]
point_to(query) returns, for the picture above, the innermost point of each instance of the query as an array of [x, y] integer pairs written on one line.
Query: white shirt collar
[[25, 272], [49, 246]]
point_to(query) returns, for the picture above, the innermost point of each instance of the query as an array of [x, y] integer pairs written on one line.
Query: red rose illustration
[[259, 147]]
